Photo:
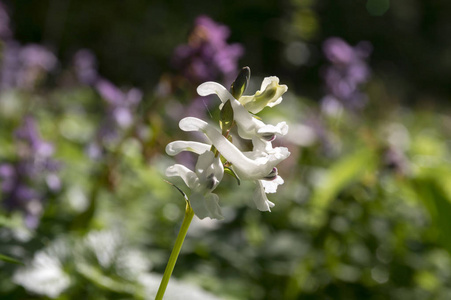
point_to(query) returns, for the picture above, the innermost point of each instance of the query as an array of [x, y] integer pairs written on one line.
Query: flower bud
[[270, 94], [239, 85]]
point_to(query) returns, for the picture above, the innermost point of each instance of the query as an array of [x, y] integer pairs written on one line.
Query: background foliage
[[365, 209]]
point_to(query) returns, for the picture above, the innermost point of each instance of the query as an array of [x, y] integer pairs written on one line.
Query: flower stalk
[[189, 213], [219, 154]]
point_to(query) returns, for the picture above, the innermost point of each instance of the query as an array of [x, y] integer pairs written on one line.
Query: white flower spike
[[250, 165], [258, 165], [248, 125]]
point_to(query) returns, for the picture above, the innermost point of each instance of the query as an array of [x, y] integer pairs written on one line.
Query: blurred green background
[[365, 211]]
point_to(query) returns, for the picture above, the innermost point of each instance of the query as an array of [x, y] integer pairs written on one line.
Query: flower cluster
[[21, 66], [207, 55], [19, 178], [25, 66], [348, 70], [258, 165], [85, 65], [120, 104], [5, 31]]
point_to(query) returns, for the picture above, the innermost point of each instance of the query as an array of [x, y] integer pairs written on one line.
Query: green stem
[[189, 213]]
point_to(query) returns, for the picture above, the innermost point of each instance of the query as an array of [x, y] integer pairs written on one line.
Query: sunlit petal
[[188, 176], [270, 94], [270, 186], [245, 167], [260, 199], [176, 147]]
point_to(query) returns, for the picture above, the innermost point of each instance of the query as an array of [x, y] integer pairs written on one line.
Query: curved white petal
[[189, 177], [269, 132], [281, 128], [274, 103], [245, 167], [176, 147], [206, 205], [211, 87], [260, 199], [247, 124], [270, 186], [264, 149]]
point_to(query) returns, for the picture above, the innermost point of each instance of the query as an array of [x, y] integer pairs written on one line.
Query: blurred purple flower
[[33, 166], [119, 114], [29, 134], [25, 66], [85, 64], [5, 31], [121, 104], [347, 72], [207, 56]]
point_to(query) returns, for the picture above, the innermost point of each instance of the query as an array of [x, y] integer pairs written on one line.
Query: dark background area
[[411, 39]]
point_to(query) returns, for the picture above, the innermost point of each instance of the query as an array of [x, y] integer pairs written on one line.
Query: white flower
[[208, 173], [253, 165], [248, 126], [258, 165], [264, 187], [176, 147], [270, 183], [270, 94]]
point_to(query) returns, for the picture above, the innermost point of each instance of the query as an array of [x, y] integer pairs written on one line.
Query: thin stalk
[[189, 213]]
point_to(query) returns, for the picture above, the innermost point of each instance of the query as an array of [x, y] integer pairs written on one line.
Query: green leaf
[[10, 259], [438, 204], [346, 171]]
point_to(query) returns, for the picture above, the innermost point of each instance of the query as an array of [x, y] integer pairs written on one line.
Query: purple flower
[[347, 72], [21, 180], [207, 56], [119, 114], [5, 31], [85, 64], [121, 104], [29, 134], [25, 66]]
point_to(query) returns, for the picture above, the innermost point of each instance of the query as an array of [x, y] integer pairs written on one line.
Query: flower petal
[[188, 176], [260, 199], [264, 149], [176, 147], [212, 204], [270, 186], [210, 170], [270, 94], [245, 167], [247, 124], [206, 205], [211, 87], [281, 128]]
